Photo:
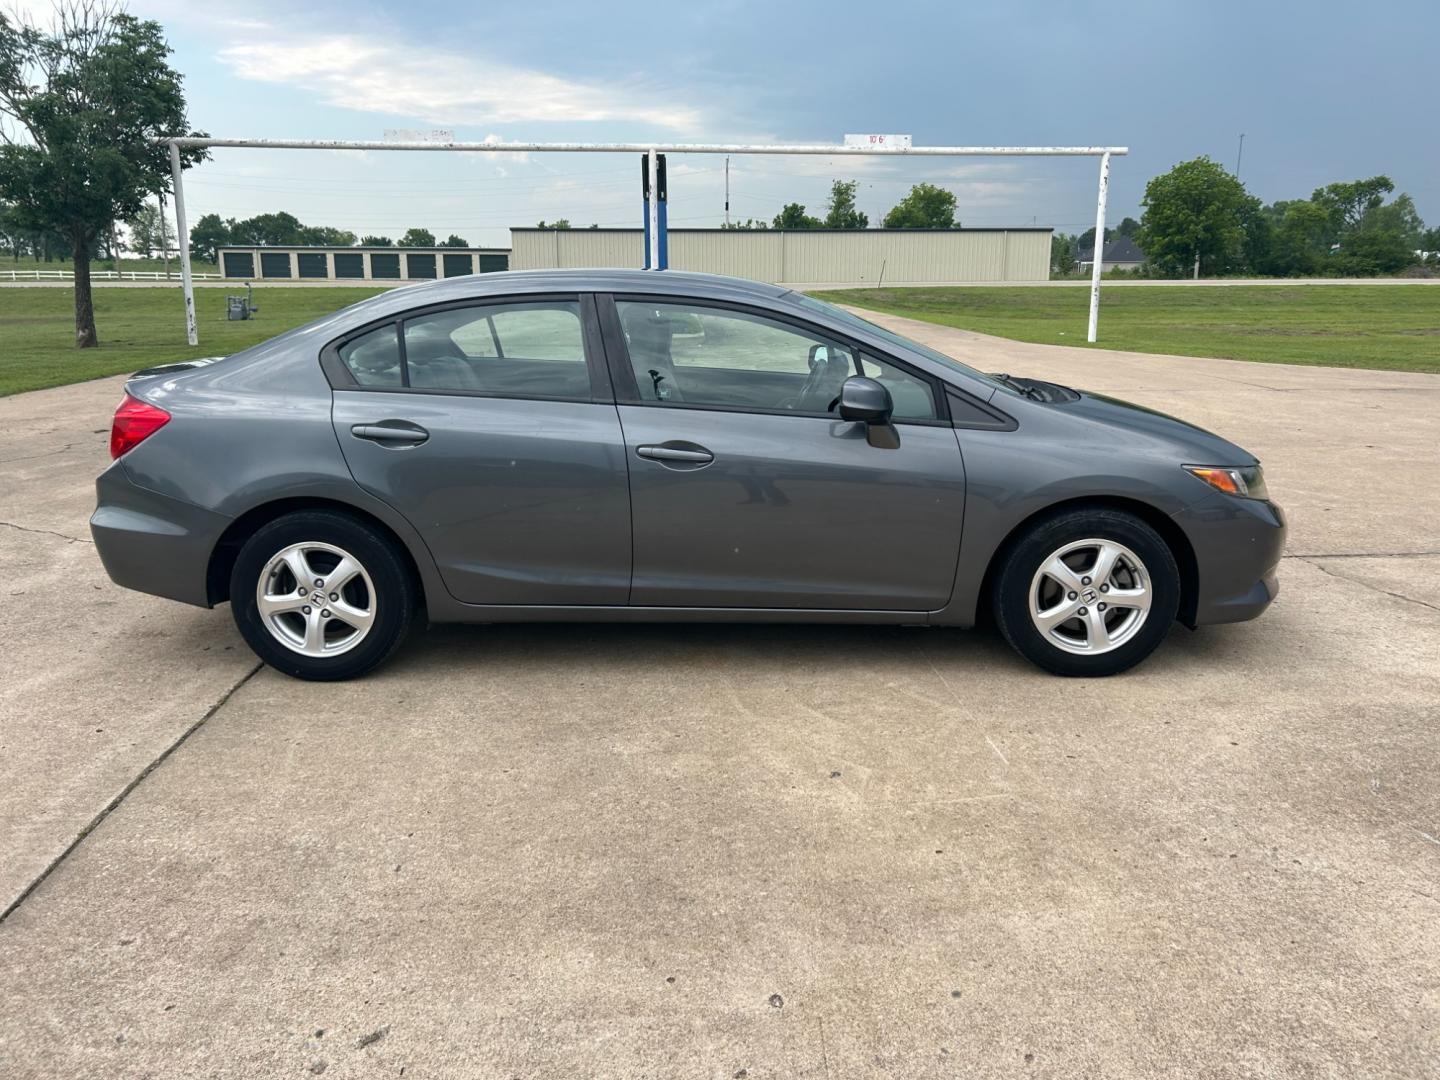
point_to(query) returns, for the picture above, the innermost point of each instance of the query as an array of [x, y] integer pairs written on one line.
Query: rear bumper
[[153, 543], [1237, 544]]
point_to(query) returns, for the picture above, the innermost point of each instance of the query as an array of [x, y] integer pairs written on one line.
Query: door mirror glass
[[865, 400]]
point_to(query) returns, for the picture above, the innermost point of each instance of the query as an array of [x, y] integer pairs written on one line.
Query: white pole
[[822, 149], [1097, 265], [652, 165], [187, 283]]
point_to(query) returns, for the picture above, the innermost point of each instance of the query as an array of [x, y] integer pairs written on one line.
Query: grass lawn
[[138, 328], [1394, 327]]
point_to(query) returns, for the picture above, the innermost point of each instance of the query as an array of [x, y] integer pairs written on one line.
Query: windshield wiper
[[1019, 387]]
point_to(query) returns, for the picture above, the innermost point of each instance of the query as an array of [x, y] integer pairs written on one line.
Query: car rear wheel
[[1087, 592], [322, 595]]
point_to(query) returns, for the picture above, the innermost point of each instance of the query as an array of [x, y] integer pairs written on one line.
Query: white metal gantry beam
[[650, 149]]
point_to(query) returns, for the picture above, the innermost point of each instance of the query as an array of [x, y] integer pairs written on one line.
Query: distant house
[[1120, 254]]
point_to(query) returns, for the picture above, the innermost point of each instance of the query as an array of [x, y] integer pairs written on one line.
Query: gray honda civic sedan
[[628, 445]]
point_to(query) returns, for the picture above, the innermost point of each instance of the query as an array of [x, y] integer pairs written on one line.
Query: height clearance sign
[[878, 142]]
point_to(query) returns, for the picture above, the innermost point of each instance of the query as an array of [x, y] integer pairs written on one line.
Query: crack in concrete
[[1367, 555], [1366, 585], [44, 454], [46, 532], [114, 803]]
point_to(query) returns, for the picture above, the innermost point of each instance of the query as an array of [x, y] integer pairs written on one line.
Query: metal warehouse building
[[798, 257], [805, 256], [359, 263]]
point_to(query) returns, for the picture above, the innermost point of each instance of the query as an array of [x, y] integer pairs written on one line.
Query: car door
[[746, 488], [488, 425]]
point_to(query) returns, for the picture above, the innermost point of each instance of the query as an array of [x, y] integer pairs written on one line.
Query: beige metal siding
[[575, 248], [867, 256], [749, 253]]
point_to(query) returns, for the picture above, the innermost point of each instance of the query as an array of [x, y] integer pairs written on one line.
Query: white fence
[[99, 275]]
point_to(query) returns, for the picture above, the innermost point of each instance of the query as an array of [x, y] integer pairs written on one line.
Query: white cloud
[[372, 74]]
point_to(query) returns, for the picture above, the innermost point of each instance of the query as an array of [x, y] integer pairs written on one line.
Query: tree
[[926, 207], [1063, 253], [88, 96], [148, 230], [1384, 239], [842, 213], [280, 229], [207, 236], [561, 223], [455, 241], [1430, 244], [417, 238], [1346, 204], [325, 236], [1193, 219], [748, 223], [1085, 242], [376, 241], [793, 216], [1128, 227]]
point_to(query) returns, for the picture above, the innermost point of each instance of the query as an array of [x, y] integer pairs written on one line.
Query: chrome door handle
[[391, 431], [671, 453]]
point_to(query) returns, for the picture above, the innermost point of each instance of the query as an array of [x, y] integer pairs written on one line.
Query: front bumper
[[1237, 544], [151, 542]]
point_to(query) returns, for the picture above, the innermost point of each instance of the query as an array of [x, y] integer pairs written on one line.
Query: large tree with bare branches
[[80, 103]]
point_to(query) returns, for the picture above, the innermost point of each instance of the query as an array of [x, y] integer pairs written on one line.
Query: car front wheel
[[1087, 592], [322, 595]]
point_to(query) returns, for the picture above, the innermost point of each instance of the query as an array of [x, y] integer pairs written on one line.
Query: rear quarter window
[[374, 358]]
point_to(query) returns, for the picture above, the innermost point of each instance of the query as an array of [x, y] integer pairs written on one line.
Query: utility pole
[[727, 190], [1239, 154]]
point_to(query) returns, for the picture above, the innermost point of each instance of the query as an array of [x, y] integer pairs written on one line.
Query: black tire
[[1011, 590], [395, 600]]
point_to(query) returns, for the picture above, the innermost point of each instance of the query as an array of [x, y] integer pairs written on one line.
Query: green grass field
[[1392, 327], [138, 328], [1368, 326]]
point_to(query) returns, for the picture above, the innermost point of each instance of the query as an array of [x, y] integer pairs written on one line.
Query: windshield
[[896, 339]]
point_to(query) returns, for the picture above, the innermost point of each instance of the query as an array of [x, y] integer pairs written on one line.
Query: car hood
[[1191, 445]]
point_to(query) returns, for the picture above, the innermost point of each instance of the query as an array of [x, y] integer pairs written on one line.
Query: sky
[[1321, 92]]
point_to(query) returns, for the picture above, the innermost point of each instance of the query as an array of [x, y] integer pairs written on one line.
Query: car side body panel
[[794, 511], [521, 502]]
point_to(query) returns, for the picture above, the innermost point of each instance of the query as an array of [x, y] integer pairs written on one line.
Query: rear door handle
[[697, 456], [392, 432]]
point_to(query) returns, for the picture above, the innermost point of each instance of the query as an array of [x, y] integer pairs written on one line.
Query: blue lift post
[[645, 208]]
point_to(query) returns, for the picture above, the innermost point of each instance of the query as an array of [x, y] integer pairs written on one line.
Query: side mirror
[[865, 401]]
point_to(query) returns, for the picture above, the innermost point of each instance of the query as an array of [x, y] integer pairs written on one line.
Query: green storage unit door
[[274, 264], [489, 264], [349, 264], [238, 264], [385, 265], [457, 265], [312, 264], [420, 266]]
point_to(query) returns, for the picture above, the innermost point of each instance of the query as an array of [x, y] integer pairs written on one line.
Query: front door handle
[[696, 455], [391, 432]]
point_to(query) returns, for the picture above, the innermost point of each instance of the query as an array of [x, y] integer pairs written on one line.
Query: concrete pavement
[[742, 852]]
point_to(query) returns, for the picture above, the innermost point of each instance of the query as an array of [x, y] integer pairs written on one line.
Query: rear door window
[[531, 350]]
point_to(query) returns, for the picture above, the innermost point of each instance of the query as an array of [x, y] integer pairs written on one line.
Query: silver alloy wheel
[[316, 599], [1090, 597]]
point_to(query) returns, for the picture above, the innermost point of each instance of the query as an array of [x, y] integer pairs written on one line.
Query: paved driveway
[[742, 852]]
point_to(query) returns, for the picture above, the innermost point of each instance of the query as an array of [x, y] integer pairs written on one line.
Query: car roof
[[620, 280]]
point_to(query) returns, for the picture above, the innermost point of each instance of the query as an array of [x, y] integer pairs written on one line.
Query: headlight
[[1248, 483]]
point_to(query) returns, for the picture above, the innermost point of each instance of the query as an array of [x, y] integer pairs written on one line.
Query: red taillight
[[135, 421]]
